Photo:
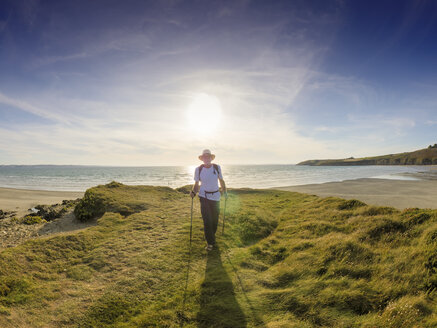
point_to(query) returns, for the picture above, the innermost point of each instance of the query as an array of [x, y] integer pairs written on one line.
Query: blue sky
[[113, 82]]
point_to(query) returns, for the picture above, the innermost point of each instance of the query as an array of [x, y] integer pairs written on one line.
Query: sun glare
[[204, 114]]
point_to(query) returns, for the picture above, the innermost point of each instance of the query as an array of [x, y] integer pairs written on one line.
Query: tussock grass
[[350, 204], [286, 260], [32, 219]]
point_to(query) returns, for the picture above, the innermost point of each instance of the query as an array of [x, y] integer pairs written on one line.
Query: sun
[[204, 114]]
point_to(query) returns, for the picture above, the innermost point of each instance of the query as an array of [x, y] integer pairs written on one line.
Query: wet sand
[[384, 192], [20, 200]]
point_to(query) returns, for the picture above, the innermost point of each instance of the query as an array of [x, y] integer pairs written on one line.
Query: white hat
[[205, 152]]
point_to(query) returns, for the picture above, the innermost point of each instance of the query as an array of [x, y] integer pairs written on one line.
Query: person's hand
[[225, 194], [192, 194]]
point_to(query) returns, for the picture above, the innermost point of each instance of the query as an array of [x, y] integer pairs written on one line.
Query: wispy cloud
[[115, 83], [4, 23], [25, 106], [400, 122]]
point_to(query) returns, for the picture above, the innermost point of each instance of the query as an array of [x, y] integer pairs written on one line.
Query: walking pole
[[224, 216], [181, 314], [191, 225]]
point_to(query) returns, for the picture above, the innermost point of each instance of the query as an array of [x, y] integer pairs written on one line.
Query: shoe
[[209, 247]]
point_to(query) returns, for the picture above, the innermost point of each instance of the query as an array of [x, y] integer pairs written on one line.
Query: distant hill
[[427, 156]]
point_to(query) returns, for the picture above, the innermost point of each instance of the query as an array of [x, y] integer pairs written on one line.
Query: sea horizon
[[73, 177]]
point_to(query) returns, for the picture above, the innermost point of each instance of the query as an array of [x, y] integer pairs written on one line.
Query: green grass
[[286, 260], [32, 219]]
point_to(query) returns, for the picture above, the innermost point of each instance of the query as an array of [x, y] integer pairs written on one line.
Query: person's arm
[[223, 186], [195, 189], [222, 182]]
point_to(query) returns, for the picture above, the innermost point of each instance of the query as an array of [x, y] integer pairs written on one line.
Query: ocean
[[79, 178]]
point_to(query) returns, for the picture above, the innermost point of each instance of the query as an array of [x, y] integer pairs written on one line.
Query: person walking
[[209, 175]]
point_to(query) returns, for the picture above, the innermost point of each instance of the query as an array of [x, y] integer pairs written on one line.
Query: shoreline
[[399, 194], [20, 200]]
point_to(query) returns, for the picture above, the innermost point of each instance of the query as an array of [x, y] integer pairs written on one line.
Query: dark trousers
[[210, 210]]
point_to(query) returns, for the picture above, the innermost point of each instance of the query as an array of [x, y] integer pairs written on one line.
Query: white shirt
[[208, 181]]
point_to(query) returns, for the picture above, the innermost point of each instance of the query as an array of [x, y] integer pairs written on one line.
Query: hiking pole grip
[[191, 225]]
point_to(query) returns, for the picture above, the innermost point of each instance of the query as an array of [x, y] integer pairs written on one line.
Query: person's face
[[206, 159]]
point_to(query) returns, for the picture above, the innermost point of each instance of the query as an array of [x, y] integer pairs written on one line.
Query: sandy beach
[[384, 192], [20, 200]]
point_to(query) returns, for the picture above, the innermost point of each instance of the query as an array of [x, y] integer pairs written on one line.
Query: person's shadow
[[218, 305]]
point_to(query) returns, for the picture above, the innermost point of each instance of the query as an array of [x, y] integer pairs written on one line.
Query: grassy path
[[133, 271], [285, 260]]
